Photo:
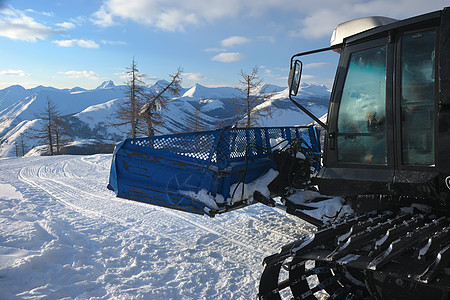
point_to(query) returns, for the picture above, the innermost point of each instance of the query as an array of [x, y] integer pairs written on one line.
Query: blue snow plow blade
[[194, 172]]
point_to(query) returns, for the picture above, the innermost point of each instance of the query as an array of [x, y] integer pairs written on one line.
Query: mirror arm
[[334, 47], [323, 125]]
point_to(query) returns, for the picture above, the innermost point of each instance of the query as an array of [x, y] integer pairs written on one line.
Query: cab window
[[361, 135], [417, 101]]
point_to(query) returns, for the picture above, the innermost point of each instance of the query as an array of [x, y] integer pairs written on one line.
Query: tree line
[[142, 111]]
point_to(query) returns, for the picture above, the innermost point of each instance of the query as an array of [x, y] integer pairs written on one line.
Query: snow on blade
[[325, 210], [203, 196], [241, 191]]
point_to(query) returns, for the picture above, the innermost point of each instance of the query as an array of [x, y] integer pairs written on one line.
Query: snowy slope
[[19, 106], [285, 113], [99, 116], [64, 235], [35, 100], [201, 92], [90, 113]]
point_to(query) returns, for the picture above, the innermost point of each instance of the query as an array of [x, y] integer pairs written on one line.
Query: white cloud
[[194, 76], [168, 15], [214, 50], [66, 25], [14, 24], [116, 43], [78, 21], [176, 20], [330, 13], [314, 18], [81, 74], [267, 71], [267, 38], [305, 76], [13, 73], [44, 13], [327, 20], [234, 40], [75, 42], [228, 57], [103, 18]]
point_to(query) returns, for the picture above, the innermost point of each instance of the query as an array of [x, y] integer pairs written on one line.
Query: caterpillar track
[[372, 256]]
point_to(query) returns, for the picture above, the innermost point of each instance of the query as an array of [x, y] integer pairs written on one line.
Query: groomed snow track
[[63, 234]]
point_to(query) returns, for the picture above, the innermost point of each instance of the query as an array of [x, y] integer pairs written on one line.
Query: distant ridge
[[90, 112]]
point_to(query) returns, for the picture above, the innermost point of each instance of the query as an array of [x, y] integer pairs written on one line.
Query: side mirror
[[295, 75]]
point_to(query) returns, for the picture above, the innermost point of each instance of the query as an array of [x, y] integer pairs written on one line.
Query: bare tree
[[156, 102], [128, 111], [251, 106], [16, 147], [44, 134], [61, 134], [20, 147], [193, 122], [51, 133]]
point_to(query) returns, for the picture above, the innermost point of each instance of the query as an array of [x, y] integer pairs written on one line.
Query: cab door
[[381, 125], [363, 120], [360, 121], [416, 105], [416, 110]]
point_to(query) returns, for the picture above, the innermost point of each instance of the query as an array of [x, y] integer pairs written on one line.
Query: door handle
[[332, 140]]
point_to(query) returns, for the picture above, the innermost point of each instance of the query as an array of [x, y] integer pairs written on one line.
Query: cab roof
[[381, 29], [353, 27]]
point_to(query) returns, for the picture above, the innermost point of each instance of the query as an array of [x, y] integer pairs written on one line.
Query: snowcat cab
[[387, 130], [387, 146]]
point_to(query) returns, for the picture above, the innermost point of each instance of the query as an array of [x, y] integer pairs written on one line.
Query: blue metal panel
[[170, 170]]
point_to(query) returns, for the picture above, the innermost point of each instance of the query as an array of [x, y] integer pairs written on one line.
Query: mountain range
[[89, 113]]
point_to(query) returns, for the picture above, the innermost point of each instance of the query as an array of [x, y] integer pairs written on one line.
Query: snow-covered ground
[[64, 235]]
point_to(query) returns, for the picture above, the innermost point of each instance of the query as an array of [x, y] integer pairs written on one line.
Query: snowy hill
[[65, 236], [90, 112], [201, 92]]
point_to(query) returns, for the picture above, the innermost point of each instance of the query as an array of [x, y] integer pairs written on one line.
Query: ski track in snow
[[64, 235]]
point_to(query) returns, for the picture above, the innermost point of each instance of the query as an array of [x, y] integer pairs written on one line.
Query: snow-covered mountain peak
[[77, 90], [272, 88], [14, 88], [199, 91], [88, 112], [161, 82], [193, 91], [109, 84]]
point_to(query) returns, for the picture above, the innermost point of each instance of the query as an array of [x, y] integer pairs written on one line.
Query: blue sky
[[85, 42]]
